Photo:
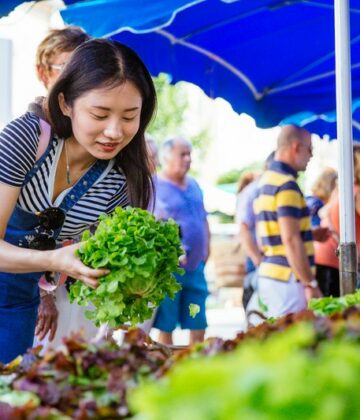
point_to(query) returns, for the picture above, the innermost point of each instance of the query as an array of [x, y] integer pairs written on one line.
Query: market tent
[[269, 59], [325, 124], [8, 6]]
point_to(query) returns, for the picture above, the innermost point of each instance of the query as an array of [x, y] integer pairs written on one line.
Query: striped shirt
[[18, 146], [280, 196]]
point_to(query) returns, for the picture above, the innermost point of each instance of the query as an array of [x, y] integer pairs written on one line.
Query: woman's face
[[105, 120]]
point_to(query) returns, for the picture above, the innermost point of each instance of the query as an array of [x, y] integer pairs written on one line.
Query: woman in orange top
[[327, 263], [325, 252]]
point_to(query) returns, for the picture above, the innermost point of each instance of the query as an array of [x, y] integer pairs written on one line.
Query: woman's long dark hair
[[100, 63]]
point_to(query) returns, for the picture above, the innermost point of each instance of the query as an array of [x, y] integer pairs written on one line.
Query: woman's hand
[[311, 293], [321, 233], [65, 261], [47, 317]]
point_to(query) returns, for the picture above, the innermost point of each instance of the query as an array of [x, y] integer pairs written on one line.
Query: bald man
[[287, 269]]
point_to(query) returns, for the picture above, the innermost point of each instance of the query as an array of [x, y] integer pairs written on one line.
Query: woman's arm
[[14, 259]]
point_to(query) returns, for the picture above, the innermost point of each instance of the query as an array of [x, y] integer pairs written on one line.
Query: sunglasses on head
[[57, 67], [49, 219]]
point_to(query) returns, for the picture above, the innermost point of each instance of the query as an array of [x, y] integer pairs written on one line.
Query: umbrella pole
[[348, 252]]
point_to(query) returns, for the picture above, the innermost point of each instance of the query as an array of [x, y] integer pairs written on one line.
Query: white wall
[[5, 80], [25, 28]]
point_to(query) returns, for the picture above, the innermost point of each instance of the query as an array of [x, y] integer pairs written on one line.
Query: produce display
[[142, 254], [83, 381], [300, 366], [302, 370], [331, 305]]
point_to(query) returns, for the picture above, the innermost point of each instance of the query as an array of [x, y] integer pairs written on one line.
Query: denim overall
[[19, 293]]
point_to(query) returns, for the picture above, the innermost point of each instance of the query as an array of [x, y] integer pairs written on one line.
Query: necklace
[[68, 179]]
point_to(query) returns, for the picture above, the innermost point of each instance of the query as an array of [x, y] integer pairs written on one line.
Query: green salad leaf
[[194, 309], [331, 305], [283, 377], [142, 254], [19, 398]]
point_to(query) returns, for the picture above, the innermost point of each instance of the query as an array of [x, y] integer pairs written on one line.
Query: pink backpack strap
[[44, 138]]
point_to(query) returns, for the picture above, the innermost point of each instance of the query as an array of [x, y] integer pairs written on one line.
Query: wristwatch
[[313, 284]]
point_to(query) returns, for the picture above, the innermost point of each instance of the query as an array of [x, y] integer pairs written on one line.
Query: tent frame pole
[[348, 252]]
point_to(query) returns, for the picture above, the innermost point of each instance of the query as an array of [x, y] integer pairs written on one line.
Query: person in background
[[334, 210], [321, 190], [99, 109], [326, 260], [244, 180], [287, 269], [52, 54], [178, 196], [245, 218]]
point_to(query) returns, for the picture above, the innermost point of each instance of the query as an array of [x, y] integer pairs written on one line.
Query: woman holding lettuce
[[99, 109]]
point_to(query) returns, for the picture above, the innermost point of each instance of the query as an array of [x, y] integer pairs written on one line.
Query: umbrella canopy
[[8, 6], [268, 58], [325, 124]]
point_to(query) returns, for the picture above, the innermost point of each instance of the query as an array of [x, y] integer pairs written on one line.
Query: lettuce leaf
[[331, 305], [142, 254]]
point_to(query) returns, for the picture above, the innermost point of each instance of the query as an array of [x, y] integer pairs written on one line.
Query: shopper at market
[[178, 196], [287, 269], [321, 191], [99, 109], [245, 218], [321, 205], [333, 218], [51, 56]]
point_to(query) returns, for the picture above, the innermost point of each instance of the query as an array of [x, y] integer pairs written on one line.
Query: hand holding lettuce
[[142, 254]]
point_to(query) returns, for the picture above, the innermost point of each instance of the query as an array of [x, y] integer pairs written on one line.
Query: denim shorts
[[176, 312]]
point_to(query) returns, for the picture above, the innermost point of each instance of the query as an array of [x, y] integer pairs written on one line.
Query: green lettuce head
[[142, 254]]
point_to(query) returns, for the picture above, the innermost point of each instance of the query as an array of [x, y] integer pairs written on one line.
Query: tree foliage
[[234, 175], [172, 115]]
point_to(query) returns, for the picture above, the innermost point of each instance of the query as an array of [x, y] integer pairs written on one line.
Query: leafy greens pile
[[142, 254], [301, 367], [309, 370], [81, 381], [330, 305]]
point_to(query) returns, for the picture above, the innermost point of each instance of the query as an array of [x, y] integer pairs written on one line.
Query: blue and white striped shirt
[[18, 146]]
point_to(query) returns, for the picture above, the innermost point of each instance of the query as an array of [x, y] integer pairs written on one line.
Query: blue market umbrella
[[325, 124], [269, 59], [8, 6]]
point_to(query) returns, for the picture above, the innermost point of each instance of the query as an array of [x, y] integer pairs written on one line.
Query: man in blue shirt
[[178, 196]]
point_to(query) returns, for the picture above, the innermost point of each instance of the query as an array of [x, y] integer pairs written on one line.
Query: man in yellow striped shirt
[[287, 270]]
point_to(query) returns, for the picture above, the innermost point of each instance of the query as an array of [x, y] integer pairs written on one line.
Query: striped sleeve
[[18, 144], [289, 201]]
